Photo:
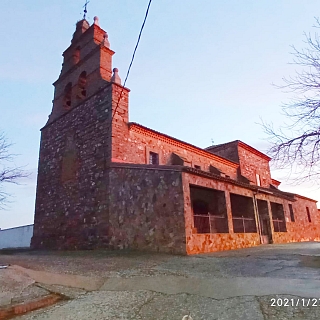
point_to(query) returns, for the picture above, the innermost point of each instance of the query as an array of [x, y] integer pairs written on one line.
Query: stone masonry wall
[[300, 230], [71, 209], [134, 145], [146, 208], [251, 161], [252, 164], [200, 243], [94, 58], [228, 151]]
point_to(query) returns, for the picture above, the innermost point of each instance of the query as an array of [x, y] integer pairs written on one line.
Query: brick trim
[[240, 144], [305, 198], [253, 150], [85, 58], [275, 182], [178, 143], [14, 310], [275, 193]]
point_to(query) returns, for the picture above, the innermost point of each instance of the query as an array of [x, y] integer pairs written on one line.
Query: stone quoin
[[105, 182]]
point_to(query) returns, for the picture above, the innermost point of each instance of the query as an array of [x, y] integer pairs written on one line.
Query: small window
[[291, 212], [258, 180], [197, 167], [308, 214], [154, 158]]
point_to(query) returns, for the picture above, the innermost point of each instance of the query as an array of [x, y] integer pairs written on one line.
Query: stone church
[[106, 182]]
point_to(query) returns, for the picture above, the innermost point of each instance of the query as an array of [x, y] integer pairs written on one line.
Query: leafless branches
[[297, 143], [8, 173]]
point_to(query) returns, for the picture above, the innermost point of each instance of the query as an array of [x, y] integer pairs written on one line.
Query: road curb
[[21, 308]]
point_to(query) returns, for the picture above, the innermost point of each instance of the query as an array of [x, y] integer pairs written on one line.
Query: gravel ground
[[89, 263], [295, 263], [146, 305]]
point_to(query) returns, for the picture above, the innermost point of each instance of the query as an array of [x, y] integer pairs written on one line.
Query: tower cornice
[[84, 59]]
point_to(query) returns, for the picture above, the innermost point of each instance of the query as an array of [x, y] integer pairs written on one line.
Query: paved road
[[265, 282]]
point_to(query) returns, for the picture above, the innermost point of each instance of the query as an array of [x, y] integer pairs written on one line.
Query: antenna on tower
[[85, 9]]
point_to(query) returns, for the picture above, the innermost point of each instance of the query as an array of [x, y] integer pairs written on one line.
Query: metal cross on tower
[[85, 9]]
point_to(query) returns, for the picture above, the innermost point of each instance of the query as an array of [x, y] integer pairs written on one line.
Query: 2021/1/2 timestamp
[[296, 302]]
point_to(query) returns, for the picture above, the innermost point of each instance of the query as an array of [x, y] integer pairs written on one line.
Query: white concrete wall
[[19, 237]]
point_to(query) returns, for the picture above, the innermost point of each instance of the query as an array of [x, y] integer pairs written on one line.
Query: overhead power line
[[133, 55], [136, 47]]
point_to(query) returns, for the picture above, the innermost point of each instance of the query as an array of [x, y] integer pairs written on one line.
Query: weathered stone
[[106, 182]]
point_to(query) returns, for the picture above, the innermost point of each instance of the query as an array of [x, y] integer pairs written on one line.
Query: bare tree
[[296, 145], [8, 173]]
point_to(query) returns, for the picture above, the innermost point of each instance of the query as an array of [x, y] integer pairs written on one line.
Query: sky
[[203, 72]]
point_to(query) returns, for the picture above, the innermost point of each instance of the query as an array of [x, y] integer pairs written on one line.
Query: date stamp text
[[296, 302]]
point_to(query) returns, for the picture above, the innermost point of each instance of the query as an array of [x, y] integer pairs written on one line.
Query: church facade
[[106, 182]]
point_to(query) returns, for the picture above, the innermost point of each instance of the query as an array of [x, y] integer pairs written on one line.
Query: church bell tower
[[87, 66], [90, 107]]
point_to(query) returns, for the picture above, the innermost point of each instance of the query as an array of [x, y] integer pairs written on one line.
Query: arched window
[[82, 84], [76, 55], [67, 96]]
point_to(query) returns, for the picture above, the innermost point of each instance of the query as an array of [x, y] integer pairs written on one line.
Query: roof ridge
[[233, 163]]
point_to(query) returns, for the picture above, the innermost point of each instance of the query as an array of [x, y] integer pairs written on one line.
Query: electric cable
[[132, 58]]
